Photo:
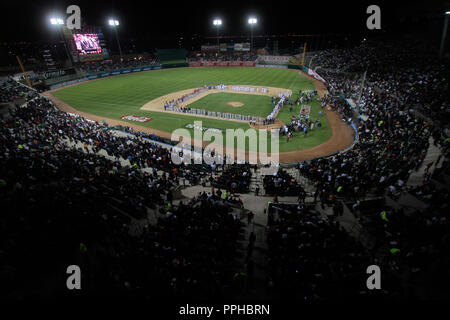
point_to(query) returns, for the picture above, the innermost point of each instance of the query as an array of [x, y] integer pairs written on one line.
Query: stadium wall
[[222, 64], [240, 64], [122, 71], [99, 75], [64, 78]]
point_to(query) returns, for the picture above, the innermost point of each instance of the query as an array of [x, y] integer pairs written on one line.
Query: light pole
[[58, 22], [217, 23], [251, 22], [115, 23], [444, 34]]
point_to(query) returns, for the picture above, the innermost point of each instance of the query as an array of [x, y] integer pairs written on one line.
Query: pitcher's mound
[[235, 104]]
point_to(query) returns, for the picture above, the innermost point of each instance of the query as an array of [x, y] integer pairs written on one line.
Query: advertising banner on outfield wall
[[104, 74], [122, 71], [277, 59], [209, 63], [63, 84], [277, 66], [222, 64], [57, 73]]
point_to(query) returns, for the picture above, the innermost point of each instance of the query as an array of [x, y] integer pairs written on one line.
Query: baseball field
[[114, 97]]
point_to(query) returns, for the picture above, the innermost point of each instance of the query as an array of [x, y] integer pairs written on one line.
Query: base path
[[158, 103], [341, 138]]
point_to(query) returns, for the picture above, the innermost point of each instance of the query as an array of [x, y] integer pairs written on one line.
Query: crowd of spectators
[[416, 79], [64, 203], [281, 184], [10, 92], [235, 178], [313, 259], [393, 142], [61, 202]]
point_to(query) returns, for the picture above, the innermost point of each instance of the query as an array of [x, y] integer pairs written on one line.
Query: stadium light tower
[[217, 23], [251, 22], [58, 23], [444, 34], [115, 24]]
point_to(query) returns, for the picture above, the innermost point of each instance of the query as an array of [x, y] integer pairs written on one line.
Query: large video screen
[[87, 43]]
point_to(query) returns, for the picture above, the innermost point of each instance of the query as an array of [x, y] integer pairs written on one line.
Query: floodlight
[[217, 22], [56, 21], [252, 20], [113, 22]]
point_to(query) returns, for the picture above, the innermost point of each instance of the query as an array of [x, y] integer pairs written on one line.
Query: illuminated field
[[117, 96]]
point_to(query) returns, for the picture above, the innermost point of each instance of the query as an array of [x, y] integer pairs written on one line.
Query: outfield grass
[[177, 61], [116, 96], [253, 105]]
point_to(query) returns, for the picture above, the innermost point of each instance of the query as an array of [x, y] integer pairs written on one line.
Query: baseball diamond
[[144, 94]]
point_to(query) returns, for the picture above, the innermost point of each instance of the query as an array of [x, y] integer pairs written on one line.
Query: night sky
[[28, 20]]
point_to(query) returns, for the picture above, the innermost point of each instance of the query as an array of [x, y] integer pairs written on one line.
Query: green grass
[[177, 61], [254, 105], [116, 96]]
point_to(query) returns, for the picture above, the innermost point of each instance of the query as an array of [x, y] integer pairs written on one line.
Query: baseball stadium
[[245, 159], [143, 96]]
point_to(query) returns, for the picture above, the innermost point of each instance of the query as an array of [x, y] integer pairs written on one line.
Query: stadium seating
[[76, 190]]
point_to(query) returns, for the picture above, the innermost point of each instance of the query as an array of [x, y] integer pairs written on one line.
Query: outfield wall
[[122, 71], [221, 64], [163, 65], [240, 64], [100, 75]]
